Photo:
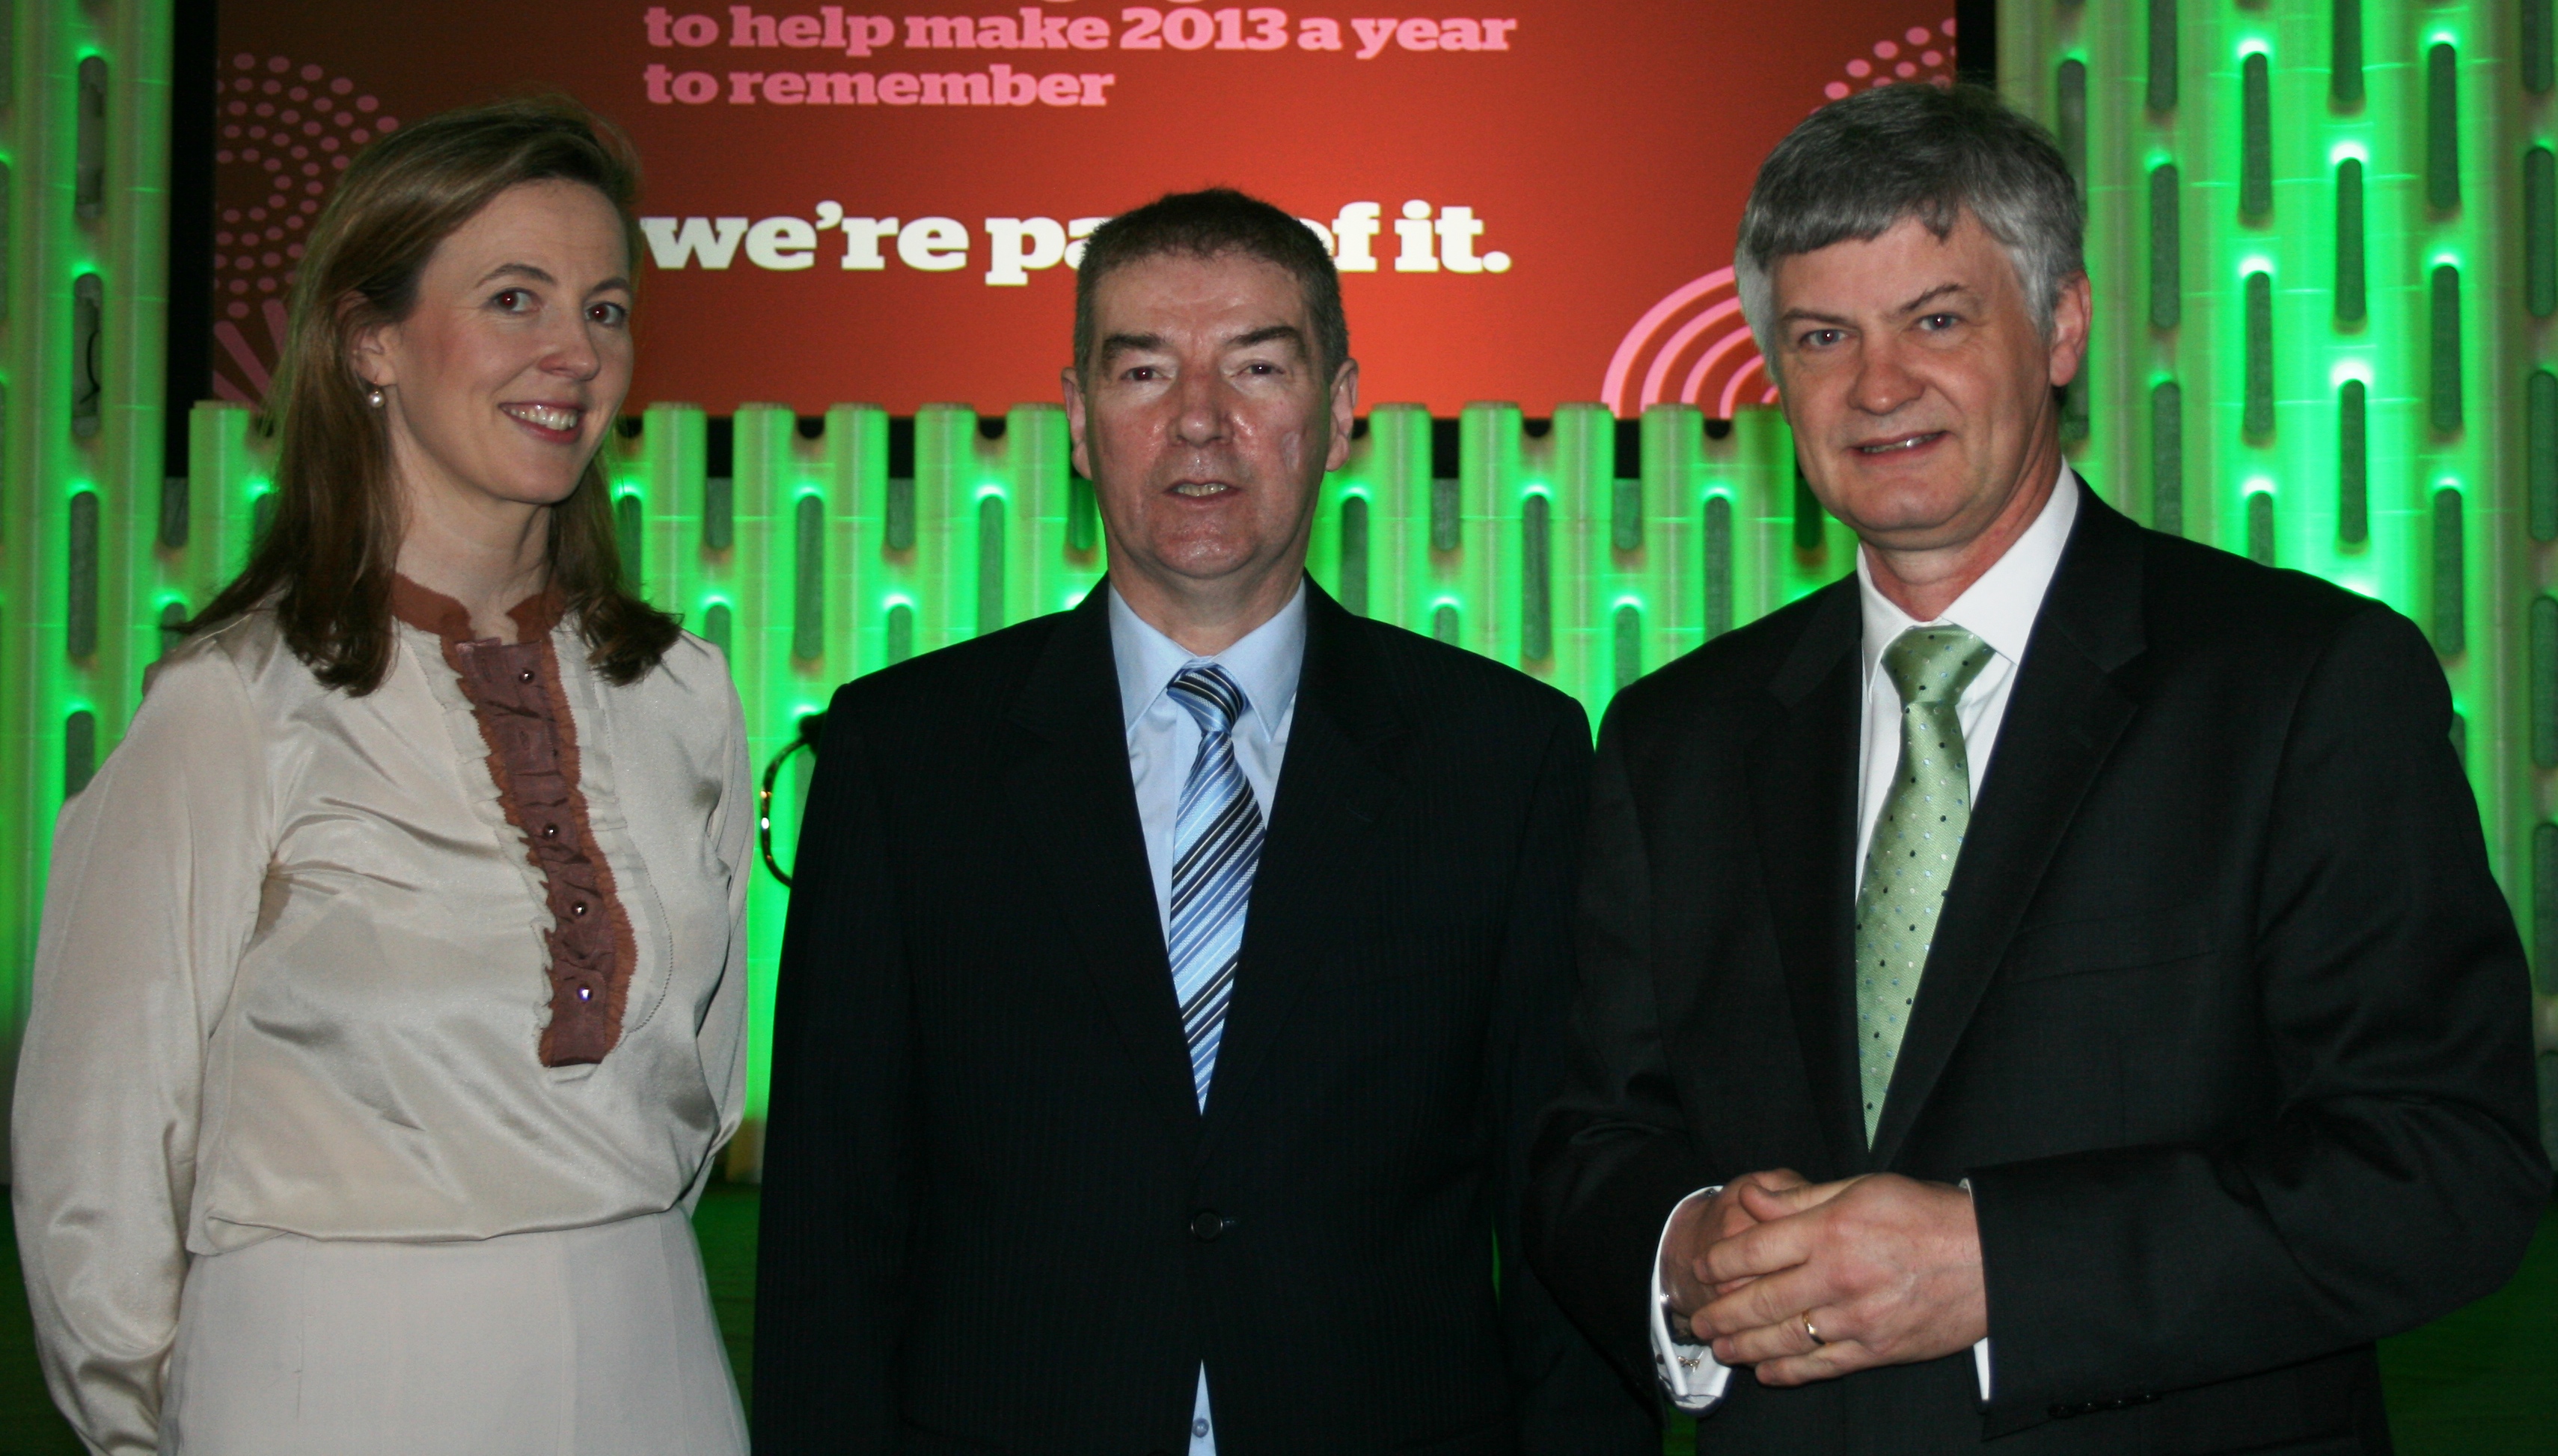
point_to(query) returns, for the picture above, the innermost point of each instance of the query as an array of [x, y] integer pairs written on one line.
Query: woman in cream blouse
[[390, 998]]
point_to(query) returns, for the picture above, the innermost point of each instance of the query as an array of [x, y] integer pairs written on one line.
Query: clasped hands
[[1887, 1268]]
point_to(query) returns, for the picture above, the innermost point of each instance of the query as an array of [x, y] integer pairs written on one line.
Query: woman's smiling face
[[515, 355]]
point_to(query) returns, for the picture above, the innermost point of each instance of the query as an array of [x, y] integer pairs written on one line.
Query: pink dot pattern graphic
[[1916, 54], [1694, 346], [282, 132]]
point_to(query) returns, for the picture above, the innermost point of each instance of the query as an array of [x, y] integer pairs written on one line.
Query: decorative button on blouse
[[532, 755]]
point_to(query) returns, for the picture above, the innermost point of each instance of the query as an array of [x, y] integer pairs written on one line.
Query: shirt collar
[[2001, 606], [431, 610], [1264, 663]]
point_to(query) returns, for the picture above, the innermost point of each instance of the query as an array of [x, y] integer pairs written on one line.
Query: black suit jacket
[[2224, 1019], [994, 1217]]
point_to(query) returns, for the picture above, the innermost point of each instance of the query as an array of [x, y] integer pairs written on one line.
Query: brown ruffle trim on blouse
[[515, 695]]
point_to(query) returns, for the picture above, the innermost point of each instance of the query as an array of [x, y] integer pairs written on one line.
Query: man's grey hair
[[1857, 167]]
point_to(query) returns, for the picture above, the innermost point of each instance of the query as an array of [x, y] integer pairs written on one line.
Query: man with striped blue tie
[[1171, 982]]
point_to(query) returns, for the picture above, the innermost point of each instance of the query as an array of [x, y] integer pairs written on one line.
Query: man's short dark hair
[[1207, 225], [1857, 167]]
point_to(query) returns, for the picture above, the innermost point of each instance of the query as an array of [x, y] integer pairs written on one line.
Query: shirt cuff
[[1981, 1346], [1691, 1374]]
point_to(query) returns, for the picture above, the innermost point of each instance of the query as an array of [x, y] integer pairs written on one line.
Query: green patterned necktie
[[1916, 840]]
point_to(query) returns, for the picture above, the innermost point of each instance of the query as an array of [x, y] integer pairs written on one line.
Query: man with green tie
[[2046, 986]]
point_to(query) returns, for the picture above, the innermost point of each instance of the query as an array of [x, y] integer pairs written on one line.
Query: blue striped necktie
[[1217, 847]]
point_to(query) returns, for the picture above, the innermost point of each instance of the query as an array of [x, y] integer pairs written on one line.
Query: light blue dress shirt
[[1163, 740]]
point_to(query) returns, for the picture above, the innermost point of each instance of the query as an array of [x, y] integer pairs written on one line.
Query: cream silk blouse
[[295, 976]]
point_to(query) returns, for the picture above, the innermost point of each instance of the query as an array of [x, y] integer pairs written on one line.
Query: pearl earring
[[375, 396]]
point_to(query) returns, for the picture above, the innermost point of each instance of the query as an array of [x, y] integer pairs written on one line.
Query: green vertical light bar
[[1392, 484], [2161, 66], [695, 555], [1507, 540], [2442, 126], [2079, 116], [2351, 277], [2257, 412], [855, 450], [1753, 467], [2353, 465], [2540, 455], [1576, 460], [2146, 406], [2344, 52], [2528, 114], [944, 526], [2167, 457], [789, 634], [1342, 553], [83, 152], [2255, 136], [1656, 553], [2167, 232], [1429, 586], [1654, 576], [2468, 287], [1045, 574], [228, 468], [902, 563]]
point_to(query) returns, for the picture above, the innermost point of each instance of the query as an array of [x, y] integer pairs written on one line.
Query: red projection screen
[[1536, 205]]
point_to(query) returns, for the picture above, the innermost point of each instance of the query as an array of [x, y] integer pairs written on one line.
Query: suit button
[[1206, 1223]]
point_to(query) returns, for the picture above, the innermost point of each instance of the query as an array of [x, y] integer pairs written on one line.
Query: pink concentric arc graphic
[[282, 132], [1694, 346]]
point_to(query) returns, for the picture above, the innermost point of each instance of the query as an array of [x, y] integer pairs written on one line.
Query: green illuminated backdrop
[[83, 237], [2324, 238]]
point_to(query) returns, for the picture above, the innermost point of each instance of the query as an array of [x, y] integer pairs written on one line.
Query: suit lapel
[[1078, 818], [1802, 783], [2064, 717], [1335, 781]]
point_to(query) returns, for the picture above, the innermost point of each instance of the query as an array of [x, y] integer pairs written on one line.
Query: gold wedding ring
[[1817, 1340]]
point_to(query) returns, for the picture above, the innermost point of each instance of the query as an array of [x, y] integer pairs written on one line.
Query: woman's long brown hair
[[325, 563]]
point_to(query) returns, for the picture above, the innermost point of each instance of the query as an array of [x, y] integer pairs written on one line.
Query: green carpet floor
[[2481, 1382]]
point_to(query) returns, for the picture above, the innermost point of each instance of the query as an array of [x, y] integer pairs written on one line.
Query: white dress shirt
[[2000, 609], [1164, 740]]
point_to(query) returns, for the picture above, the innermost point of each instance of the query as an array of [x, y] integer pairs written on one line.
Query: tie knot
[[1213, 698], [1933, 664]]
